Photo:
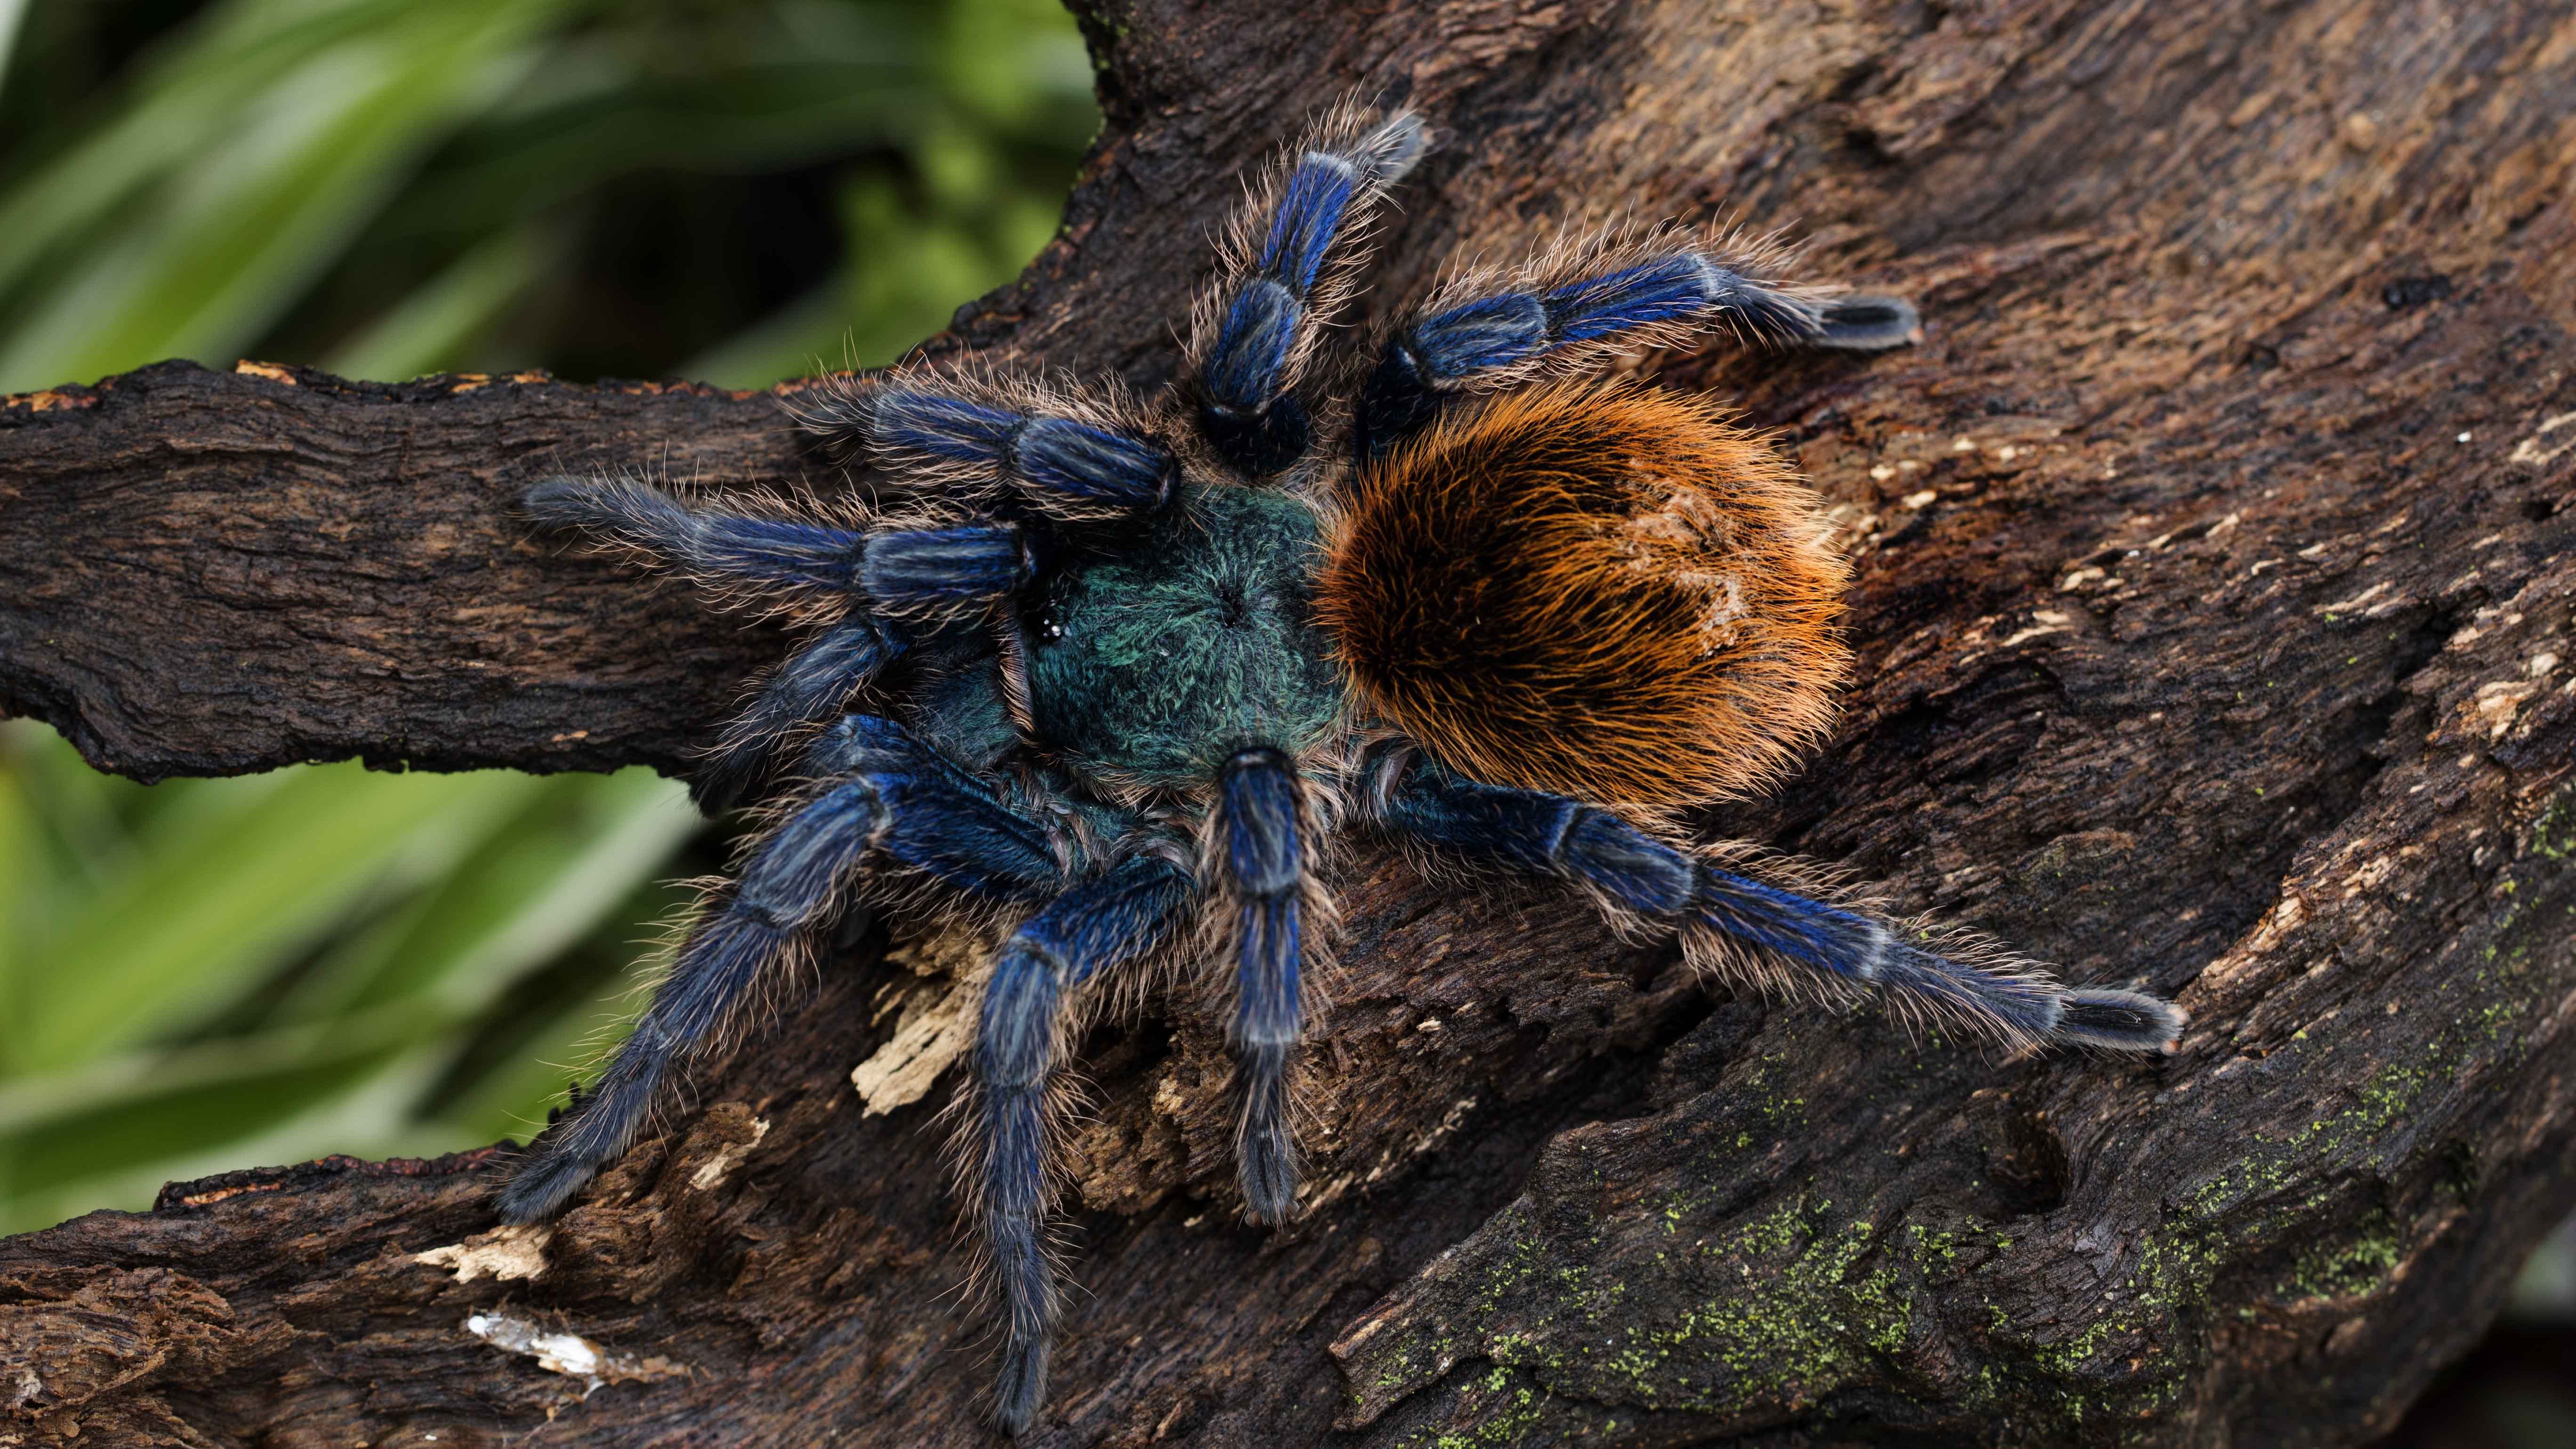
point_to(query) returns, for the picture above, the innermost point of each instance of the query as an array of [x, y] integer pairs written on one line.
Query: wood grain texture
[[2214, 611]]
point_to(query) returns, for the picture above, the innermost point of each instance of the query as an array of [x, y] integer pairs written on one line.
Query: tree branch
[[2214, 617]]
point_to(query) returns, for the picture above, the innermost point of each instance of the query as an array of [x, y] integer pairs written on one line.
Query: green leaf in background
[[448, 310], [274, 180], [218, 894], [208, 974]]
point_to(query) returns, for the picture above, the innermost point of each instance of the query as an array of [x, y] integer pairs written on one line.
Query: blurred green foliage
[[207, 974]]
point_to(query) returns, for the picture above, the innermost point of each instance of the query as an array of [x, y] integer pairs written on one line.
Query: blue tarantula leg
[[1725, 913], [739, 557], [1072, 466], [814, 684], [925, 570], [946, 823], [712, 548], [1610, 294], [1261, 865], [1283, 278], [899, 799], [1019, 1043]]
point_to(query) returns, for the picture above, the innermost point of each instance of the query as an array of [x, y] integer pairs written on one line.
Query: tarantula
[[1117, 674]]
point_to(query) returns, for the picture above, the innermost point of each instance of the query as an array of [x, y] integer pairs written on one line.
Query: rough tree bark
[[2214, 614]]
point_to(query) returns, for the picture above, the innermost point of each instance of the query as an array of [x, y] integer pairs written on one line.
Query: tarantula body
[[1153, 659], [1115, 677]]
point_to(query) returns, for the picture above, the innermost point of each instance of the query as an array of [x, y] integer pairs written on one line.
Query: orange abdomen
[[1610, 592]]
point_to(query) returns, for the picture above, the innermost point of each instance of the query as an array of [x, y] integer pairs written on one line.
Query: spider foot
[[1022, 1386], [2127, 1021], [1267, 1159], [1269, 1178], [1868, 322], [542, 1185]]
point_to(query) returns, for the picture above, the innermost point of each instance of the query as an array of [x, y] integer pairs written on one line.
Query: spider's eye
[[1044, 618]]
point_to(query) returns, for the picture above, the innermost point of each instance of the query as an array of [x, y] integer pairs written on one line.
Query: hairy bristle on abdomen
[[1608, 591]]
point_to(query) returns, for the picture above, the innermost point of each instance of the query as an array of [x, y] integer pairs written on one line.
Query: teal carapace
[[1157, 660]]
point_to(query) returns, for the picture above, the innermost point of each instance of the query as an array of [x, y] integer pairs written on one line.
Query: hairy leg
[[1285, 268], [813, 685], [1261, 865], [896, 797], [1617, 291], [775, 563], [1730, 918], [1019, 1044], [863, 582], [994, 443]]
